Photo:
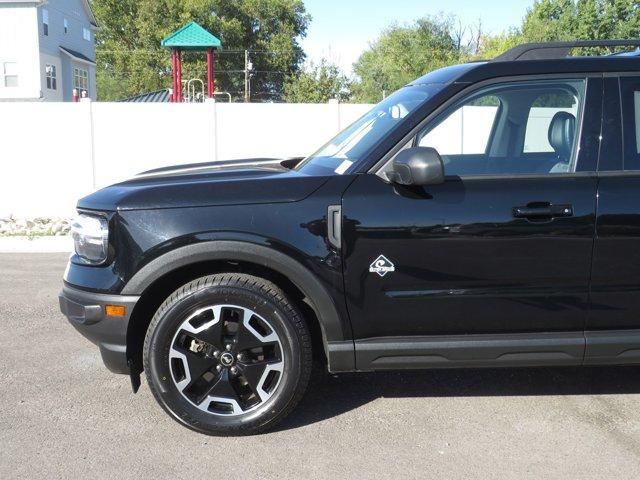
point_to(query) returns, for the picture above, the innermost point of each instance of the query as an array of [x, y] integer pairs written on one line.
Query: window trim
[[80, 69], [86, 34], [5, 75], [380, 166], [45, 22], [53, 78]]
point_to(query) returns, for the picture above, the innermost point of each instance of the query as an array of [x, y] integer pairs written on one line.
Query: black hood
[[222, 183]]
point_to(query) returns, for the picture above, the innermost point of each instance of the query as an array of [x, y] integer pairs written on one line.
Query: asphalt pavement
[[63, 415]]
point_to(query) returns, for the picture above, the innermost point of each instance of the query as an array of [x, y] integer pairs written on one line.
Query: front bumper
[[86, 312]]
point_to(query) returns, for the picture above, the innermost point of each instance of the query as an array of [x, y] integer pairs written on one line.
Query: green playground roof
[[191, 37]]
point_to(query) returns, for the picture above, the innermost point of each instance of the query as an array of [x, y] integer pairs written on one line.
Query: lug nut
[[216, 354], [219, 368], [229, 346], [240, 357], [234, 370]]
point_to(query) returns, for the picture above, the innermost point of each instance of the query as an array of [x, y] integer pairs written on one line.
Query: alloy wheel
[[226, 360]]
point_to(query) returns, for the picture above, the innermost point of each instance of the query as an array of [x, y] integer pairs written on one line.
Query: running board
[[463, 351], [499, 350]]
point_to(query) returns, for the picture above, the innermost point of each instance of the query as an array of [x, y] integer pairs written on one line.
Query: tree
[[131, 60], [549, 20], [318, 84], [581, 19], [403, 53]]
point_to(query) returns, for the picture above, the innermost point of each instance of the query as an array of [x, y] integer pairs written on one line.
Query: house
[[47, 49]]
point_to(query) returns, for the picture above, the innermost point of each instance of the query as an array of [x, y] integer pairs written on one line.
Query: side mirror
[[418, 166]]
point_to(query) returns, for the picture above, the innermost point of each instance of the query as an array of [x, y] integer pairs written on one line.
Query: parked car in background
[[486, 215]]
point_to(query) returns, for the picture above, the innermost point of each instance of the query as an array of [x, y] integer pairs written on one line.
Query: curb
[[62, 244]]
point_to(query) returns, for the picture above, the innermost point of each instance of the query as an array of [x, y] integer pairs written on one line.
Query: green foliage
[[581, 19], [128, 43], [492, 46], [403, 53], [549, 20], [318, 84], [131, 61]]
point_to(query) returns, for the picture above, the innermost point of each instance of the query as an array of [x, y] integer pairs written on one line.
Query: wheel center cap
[[227, 359]]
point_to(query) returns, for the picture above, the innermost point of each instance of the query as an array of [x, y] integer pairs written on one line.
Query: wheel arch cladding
[[168, 272]]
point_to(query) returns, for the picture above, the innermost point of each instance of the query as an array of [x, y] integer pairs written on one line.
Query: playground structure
[[192, 37]]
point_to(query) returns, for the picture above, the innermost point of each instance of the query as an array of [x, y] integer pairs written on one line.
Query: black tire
[[269, 303]]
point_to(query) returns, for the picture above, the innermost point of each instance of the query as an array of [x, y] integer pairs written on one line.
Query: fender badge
[[382, 265]]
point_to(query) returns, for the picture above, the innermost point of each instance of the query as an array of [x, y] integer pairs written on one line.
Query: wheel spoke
[[248, 337], [245, 340], [253, 373], [222, 388], [212, 336], [198, 364]]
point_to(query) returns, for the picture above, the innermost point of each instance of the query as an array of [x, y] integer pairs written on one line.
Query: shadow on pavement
[[331, 395]]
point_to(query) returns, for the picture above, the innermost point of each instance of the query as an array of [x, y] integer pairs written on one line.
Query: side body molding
[[339, 346]]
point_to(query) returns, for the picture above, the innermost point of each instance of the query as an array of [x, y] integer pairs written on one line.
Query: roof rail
[[556, 50]]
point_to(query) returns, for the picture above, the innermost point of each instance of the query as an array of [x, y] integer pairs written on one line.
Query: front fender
[[336, 331]]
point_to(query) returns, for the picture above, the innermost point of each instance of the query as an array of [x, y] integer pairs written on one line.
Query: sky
[[342, 29]]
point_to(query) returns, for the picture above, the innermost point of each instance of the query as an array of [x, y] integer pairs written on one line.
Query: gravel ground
[[65, 416]]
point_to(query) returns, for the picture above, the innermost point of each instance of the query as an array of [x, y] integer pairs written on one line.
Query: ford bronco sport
[[486, 215]]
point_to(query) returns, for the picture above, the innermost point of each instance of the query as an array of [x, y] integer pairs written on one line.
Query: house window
[[81, 80], [45, 22], [66, 26], [50, 74], [10, 70], [86, 34]]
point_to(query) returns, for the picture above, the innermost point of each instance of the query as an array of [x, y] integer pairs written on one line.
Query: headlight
[[91, 238]]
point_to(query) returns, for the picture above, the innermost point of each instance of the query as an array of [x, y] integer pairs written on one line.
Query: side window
[[50, 75], [45, 22], [630, 93], [512, 128], [543, 110], [452, 136], [10, 71]]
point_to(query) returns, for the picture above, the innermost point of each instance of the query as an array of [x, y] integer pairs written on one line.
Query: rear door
[[613, 326], [503, 247]]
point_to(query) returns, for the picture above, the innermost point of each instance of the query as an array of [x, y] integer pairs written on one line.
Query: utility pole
[[247, 77]]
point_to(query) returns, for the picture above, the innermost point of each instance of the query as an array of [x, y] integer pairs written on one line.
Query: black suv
[[486, 215]]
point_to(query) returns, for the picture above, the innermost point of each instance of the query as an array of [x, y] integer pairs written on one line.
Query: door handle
[[542, 210]]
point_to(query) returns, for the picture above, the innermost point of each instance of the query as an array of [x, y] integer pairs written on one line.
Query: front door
[[503, 247]]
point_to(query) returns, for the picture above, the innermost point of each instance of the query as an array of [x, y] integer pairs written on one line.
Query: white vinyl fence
[[51, 154]]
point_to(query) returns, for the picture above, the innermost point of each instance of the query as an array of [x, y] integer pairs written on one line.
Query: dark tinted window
[[512, 128], [630, 92]]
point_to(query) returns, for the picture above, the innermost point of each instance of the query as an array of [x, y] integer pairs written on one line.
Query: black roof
[[479, 71], [159, 96]]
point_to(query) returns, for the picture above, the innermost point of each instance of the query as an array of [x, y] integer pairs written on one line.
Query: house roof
[[192, 37], [159, 96], [92, 17], [77, 56]]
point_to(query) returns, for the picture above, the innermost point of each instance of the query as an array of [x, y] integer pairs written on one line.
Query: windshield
[[352, 144]]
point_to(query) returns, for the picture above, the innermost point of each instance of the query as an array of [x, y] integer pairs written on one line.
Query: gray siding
[[75, 14]]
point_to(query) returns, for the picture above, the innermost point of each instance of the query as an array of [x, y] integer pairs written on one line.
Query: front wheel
[[228, 354]]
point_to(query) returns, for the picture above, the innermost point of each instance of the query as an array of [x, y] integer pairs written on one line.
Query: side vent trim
[[334, 226]]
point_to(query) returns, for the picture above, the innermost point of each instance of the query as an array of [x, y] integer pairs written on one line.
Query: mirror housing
[[417, 166]]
